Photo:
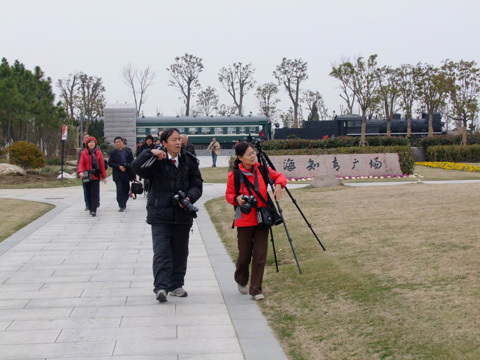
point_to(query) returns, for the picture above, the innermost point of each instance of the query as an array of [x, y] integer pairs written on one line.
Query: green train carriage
[[201, 129]]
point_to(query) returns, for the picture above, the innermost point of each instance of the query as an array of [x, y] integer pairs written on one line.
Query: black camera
[[126, 165], [181, 198], [250, 202], [148, 164]]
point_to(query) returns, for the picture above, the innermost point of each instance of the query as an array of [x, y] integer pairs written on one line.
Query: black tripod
[[265, 162]]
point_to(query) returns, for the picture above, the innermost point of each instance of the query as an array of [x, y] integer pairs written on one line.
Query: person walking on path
[[174, 177], [92, 167], [84, 146], [120, 160], [214, 147], [252, 237]]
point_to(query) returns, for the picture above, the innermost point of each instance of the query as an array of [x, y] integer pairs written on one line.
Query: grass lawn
[[400, 278], [16, 214]]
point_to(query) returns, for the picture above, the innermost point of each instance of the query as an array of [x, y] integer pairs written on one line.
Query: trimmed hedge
[[405, 153], [437, 140], [334, 143], [454, 153]]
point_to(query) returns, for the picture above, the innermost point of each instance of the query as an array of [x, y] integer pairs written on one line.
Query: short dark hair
[[167, 133], [118, 137]]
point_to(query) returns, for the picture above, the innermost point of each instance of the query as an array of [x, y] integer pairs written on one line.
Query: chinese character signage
[[338, 165]]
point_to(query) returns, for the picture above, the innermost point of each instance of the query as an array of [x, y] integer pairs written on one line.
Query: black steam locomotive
[[351, 125]]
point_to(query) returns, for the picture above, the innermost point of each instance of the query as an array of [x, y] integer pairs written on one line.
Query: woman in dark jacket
[[92, 165], [252, 237], [174, 170]]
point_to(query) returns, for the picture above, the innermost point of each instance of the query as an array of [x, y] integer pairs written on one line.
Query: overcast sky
[[100, 37]]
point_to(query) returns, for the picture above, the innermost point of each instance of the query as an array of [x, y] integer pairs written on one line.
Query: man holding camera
[[119, 160], [176, 183]]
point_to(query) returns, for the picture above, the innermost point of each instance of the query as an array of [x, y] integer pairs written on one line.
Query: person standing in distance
[[120, 160], [214, 147], [175, 170], [188, 146]]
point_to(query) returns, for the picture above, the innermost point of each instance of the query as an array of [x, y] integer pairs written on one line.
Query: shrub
[[454, 153], [26, 155]]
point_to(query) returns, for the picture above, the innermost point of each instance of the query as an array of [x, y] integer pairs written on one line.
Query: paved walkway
[[77, 287]]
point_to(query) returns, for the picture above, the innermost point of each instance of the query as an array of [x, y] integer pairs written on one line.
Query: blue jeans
[[170, 253], [214, 159]]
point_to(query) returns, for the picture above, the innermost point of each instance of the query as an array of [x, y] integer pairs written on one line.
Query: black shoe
[[161, 296], [86, 209], [121, 209], [93, 213]]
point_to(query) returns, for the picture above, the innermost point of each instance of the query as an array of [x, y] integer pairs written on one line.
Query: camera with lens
[[250, 202], [181, 198]]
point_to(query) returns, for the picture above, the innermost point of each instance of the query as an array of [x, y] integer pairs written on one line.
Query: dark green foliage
[[426, 142], [454, 153], [27, 107], [333, 143], [26, 155]]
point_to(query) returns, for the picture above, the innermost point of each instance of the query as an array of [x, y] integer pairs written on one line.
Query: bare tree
[[406, 84], [207, 100], [364, 84], [267, 101], [225, 110], [237, 79], [184, 76], [138, 82], [315, 104], [290, 74], [342, 72], [69, 94], [91, 99], [464, 88], [388, 92], [432, 90]]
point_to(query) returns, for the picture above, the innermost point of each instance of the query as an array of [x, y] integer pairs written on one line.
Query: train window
[[231, 130], [218, 130], [205, 130]]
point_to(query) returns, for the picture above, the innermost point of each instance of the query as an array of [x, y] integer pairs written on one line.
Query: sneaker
[[242, 289], [161, 296], [258, 297], [179, 292], [93, 213], [87, 209], [121, 210]]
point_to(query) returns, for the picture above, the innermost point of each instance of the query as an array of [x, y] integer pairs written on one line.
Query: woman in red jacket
[[91, 163], [252, 237]]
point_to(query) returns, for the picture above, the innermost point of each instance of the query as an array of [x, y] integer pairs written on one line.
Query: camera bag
[[87, 176], [136, 188]]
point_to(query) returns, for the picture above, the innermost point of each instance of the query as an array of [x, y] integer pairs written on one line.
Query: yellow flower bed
[[450, 166]]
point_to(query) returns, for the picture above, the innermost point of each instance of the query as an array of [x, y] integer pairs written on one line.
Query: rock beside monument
[[324, 181], [9, 169]]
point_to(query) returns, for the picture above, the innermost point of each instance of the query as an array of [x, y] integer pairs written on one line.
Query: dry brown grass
[[400, 278], [15, 214]]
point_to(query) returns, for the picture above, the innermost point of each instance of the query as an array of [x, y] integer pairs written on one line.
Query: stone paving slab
[[77, 287]]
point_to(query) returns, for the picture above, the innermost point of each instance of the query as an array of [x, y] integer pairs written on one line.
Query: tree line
[[28, 110]]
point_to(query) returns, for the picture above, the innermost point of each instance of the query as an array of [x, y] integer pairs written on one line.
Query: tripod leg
[[274, 251]]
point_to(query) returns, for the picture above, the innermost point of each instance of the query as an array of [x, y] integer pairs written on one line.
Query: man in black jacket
[[119, 160], [174, 170]]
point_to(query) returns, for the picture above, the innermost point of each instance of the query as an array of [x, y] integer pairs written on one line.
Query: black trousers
[[170, 253], [93, 194], [123, 188]]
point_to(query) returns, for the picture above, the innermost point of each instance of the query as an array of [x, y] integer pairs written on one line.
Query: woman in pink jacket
[[92, 167], [252, 237]]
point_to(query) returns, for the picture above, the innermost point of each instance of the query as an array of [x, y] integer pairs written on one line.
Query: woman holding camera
[[247, 198], [91, 169]]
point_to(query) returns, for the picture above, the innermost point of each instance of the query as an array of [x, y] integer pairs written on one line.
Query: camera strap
[[251, 187]]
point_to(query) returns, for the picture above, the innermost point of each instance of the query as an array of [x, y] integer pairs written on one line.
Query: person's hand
[[278, 192], [159, 154], [240, 201], [81, 175], [104, 180], [122, 168]]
